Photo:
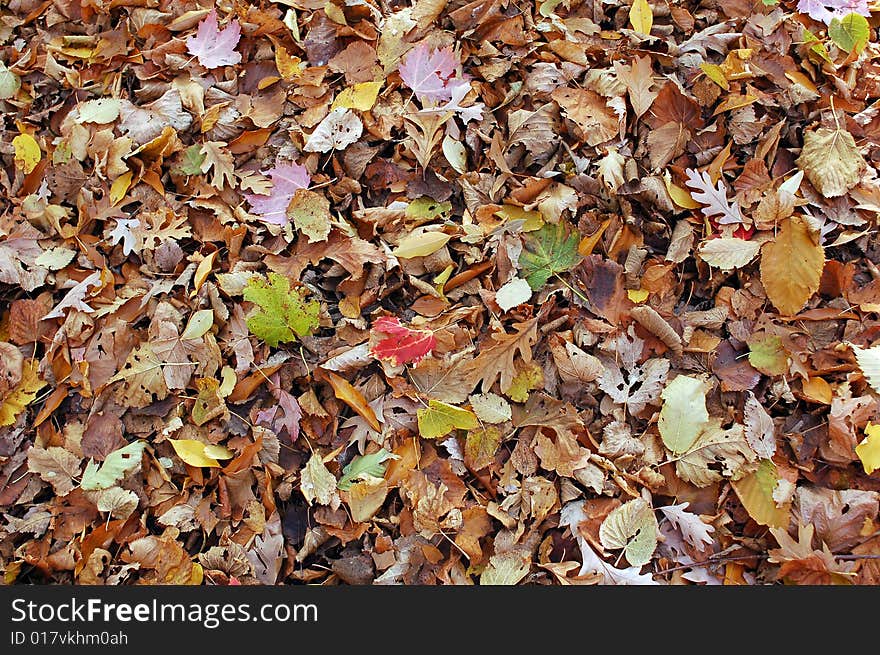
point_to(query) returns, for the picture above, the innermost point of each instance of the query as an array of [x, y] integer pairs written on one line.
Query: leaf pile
[[439, 292]]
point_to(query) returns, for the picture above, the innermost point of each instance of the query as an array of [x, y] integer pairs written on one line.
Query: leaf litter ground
[[439, 293]]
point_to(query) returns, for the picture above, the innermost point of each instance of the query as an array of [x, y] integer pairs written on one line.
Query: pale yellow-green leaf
[[199, 323], [641, 17], [100, 110], [317, 482], [716, 455], [513, 293], [116, 466], [361, 96], [505, 569], [420, 244], [755, 492], [490, 408], [193, 453], [868, 360], [869, 449], [440, 419], [791, 266], [10, 83], [455, 154], [683, 415], [55, 258], [633, 528], [27, 153], [728, 253], [831, 161]]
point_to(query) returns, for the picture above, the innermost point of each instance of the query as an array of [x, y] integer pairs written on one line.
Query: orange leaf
[[354, 399]]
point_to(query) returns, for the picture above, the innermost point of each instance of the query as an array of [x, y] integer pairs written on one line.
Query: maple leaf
[[399, 344], [286, 180], [427, 72], [549, 251], [18, 255], [215, 47], [283, 314], [715, 198], [827, 10]]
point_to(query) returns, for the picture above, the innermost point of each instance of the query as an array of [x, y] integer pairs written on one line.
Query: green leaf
[[192, 160], [364, 465], [440, 419], [116, 465], [283, 313], [850, 32], [549, 250], [10, 83], [684, 413], [768, 355]]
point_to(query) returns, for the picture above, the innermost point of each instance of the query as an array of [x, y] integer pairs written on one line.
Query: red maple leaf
[[398, 344]]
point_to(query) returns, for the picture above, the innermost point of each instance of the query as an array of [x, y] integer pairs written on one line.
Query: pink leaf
[[427, 72], [215, 47], [292, 413], [398, 344], [829, 9], [286, 179]]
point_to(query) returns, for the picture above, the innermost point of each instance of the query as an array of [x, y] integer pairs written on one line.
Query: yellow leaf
[[637, 295], [120, 187], [588, 243], [420, 244], [679, 196], [219, 452], [817, 390], [354, 399], [360, 96], [202, 272], [716, 74], [27, 152], [193, 452], [641, 17], [532, 220], [528, 376], [440, 419], [755, 492], [288, 67], [869, 449], [23, 394], [791, 266]]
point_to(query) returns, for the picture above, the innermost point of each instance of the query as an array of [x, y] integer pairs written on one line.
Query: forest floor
[[488, 292]]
